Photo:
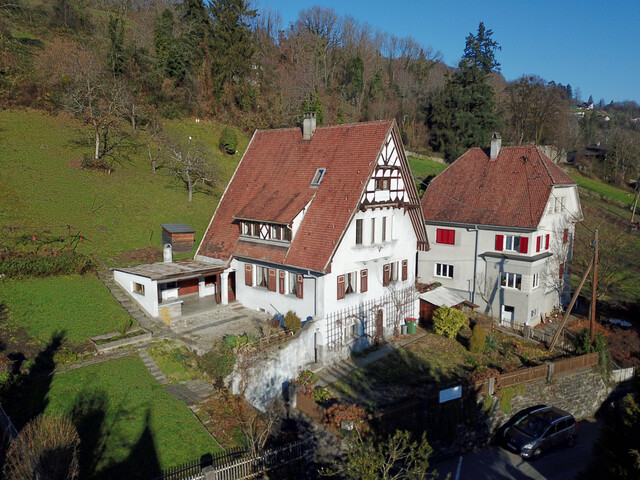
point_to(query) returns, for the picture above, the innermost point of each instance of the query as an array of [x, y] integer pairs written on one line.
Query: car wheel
[[571, 442]]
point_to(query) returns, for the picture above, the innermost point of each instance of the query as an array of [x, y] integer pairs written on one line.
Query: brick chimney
[[308, 125], [496, 143]]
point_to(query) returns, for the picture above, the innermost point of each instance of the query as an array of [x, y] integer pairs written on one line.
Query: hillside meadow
[[42, 188]]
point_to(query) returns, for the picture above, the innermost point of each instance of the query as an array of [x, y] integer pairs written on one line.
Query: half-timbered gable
[[320, 221]]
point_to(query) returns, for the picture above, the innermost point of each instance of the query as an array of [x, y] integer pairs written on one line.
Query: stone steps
[[152, 367]]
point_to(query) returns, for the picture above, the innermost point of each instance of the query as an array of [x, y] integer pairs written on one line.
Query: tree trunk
[[635, 204], [96, 155]]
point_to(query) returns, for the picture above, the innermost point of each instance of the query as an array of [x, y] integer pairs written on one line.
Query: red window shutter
[[452, 237], [281, 275], [538, 243], [546, 246], [438, 235], [340, 287], [499, 242], [386, 275], [565, 237], [524, 244], [248, 274], [404, 269], [363, 281], [299, 292], [271, 283], [561, 271]]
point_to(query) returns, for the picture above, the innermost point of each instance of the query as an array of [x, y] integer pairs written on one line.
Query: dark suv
[[540, 429]]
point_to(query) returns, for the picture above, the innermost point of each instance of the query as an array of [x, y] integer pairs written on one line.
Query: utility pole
[[595, 286]]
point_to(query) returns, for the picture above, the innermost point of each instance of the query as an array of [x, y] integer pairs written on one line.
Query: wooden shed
[[179, 235], [441, 297]]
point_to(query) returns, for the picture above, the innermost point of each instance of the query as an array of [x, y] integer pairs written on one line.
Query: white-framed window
[[444, 270], [359, 223], [350, 283], [373, 231], [558, 204], [138, 288], [534, 313], [511, 280], [293, 283], [262, 277], [512, 243], [384, 229], [536, 280]]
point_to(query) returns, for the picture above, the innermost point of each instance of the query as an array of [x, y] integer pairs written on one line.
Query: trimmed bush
[[228, 141], [448, 321], [292, 321], [477, 342], [582, 342]]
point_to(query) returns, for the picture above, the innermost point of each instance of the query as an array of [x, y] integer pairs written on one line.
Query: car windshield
[[532, 425]]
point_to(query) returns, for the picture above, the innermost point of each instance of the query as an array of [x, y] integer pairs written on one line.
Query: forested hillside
[[112, 63]]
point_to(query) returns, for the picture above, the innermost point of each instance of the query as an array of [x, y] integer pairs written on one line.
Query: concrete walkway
[[332, 374]]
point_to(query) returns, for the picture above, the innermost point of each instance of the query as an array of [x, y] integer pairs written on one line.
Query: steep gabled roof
[[273, 184], [511, 190]]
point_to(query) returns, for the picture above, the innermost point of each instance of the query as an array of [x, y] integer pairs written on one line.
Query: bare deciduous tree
[[188, 164]]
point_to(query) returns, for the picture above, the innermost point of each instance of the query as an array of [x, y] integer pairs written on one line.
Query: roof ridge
[[324, 127]]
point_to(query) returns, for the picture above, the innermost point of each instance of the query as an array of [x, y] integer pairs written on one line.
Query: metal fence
[[395, 306], [237, 463]]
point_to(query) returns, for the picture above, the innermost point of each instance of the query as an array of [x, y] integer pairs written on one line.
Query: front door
[[232, 286], [507, 316]]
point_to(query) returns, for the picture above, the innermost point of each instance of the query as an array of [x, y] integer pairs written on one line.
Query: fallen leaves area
[[623, 343], [140, 255], [221, 415]]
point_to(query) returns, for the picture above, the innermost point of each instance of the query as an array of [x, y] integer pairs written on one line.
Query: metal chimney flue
[[167, 253]]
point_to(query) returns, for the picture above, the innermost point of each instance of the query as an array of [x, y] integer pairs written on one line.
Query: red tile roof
[[511, 190], [273, 184]]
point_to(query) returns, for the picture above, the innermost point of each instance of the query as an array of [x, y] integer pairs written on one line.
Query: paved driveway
[[495, 463]]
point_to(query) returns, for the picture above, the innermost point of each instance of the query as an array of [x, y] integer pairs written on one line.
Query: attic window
[[317, 178]]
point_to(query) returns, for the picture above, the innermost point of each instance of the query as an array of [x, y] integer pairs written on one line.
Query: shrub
[[217, 363], [228, 141], [232, 341], [477, 342], [321, 394], [292, 321], [582, 342], [507, 395], [448, 321], [491, 343], [44, 266]]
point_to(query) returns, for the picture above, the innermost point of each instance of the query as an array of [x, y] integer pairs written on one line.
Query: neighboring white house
[[325, 222], [501, 224]]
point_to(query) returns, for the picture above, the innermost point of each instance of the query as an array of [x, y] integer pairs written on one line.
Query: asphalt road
[[495, 463]]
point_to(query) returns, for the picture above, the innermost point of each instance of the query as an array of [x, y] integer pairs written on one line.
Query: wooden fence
[[540, 372]]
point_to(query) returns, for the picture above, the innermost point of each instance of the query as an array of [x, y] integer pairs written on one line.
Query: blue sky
[[594, 45]]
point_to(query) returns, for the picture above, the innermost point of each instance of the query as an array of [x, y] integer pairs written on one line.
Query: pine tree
[[463, 115]]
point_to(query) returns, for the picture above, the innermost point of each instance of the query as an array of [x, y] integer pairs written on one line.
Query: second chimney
[[308, 125], [496, 144]]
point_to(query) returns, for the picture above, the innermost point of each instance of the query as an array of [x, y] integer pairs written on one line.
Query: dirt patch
[[75, 163], [140, 255]]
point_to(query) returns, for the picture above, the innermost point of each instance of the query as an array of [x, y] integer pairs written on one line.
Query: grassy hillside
[[41, 189]]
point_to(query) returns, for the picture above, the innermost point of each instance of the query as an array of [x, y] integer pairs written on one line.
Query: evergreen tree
[[463, 115], [115, 31], [232, 43]]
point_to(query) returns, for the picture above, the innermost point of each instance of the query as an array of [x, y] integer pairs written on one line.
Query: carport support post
[[224, 288]]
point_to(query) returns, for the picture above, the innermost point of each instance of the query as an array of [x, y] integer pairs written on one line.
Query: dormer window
[[265, 231], [317, 178]]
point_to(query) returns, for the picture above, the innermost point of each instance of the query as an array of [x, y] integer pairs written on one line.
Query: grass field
[[40, 189], [605, 190], [422, 168], [129, 425], [81, 307]]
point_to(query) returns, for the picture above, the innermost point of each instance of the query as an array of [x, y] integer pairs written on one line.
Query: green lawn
[[604, 189], [39, 189], [422, 168], [129, 425], [80, 306]]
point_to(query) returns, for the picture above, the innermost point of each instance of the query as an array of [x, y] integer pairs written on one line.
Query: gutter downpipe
[[475, 267]]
